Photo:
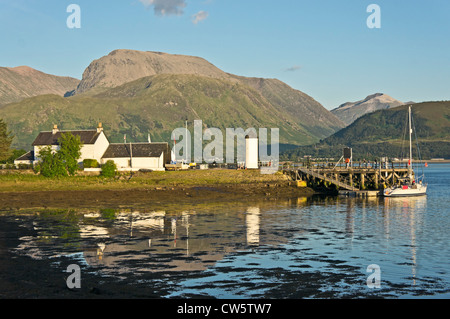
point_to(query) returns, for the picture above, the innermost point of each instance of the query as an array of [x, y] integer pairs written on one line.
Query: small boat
[[409, 186]]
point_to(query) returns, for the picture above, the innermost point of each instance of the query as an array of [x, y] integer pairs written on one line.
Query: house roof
[[26, 157], [48, 138], [138, 150]]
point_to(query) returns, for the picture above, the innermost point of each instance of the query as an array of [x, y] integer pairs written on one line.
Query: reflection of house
[[152, 156]]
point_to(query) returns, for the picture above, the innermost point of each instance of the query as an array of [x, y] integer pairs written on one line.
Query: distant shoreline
[[445, 161], [437, 161]]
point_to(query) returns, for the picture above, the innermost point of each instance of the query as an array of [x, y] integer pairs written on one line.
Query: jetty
[[363, 179]]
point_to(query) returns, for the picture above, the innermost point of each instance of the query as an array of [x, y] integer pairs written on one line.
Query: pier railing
[[359, 176], [354, 165]]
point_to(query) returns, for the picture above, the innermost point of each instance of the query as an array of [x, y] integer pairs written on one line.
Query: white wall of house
[[16, 162], [95, 151], [137, 163], [100, 147], [88, 151], [122, 162]]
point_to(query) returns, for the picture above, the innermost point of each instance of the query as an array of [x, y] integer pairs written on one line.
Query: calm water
[[301, 248]]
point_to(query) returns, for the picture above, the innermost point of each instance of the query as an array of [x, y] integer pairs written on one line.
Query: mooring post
[[376, 180]]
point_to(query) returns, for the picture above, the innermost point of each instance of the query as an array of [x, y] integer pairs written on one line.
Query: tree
[[70, 151], [5, 141], [51, 164], [64, 162]]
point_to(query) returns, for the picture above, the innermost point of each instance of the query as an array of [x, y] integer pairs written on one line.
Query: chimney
[[100, 127], [55, 129]]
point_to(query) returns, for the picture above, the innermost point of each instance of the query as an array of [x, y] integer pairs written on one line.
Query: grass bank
[[16, 181]]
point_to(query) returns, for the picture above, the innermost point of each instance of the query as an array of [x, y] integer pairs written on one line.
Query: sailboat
[[410, 186]]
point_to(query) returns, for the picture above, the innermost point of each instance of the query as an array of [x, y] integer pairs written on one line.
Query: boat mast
[[410, 146]]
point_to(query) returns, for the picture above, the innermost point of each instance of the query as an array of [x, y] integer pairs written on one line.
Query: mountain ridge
[[17, 83], [383, 133], [350, 111], [113, 91], [122, 66], [156, 105]]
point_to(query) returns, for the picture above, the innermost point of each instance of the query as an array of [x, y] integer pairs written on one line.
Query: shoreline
[[150, 196]]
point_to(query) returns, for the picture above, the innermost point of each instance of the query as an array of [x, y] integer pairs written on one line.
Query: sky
[[324, 48]]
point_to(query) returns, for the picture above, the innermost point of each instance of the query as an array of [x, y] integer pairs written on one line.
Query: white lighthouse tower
[[251, 151]]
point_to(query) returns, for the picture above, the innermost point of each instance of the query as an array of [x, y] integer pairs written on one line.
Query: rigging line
[[404, 138], [418, 149]]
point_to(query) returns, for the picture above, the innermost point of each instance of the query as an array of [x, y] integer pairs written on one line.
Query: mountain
[[384, 133], [123, 66], [137, 93], [302, 109], [351, 111], [24, 82]]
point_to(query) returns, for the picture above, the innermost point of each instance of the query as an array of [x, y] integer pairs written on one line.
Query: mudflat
[[147, 196], [31, 191]]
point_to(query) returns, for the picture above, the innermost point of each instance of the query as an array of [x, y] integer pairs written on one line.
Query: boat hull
[[402, 192]]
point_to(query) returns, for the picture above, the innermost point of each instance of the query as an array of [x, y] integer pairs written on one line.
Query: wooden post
[[376, 180], [363, 181]]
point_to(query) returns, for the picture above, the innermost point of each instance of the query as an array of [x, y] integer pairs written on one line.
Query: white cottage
[[137, 156], [131, 156], [94, 142]]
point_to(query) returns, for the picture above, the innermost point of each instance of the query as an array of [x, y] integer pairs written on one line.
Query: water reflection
[[406, 209], [238, 244], [252, 221], [122, 241]]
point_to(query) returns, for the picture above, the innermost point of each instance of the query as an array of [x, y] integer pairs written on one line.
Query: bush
[[90, 163], [109, 169]]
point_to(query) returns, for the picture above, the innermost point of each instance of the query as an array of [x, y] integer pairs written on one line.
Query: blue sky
[[323, 48]]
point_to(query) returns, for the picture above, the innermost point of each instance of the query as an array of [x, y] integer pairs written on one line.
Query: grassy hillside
[[384, 133], [157, 105], [302, 108]]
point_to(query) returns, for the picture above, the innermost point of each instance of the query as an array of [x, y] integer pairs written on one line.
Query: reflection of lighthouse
[[252, 221]]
